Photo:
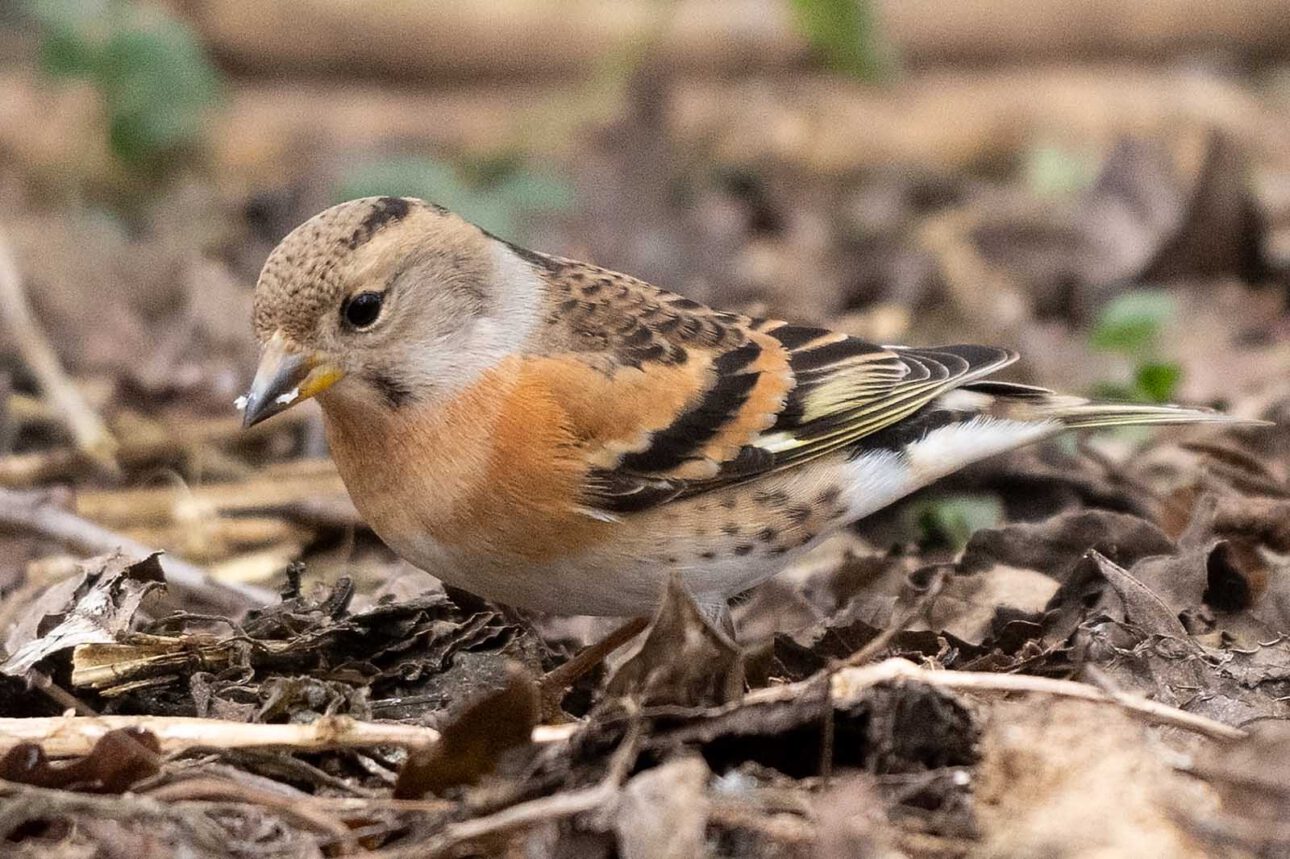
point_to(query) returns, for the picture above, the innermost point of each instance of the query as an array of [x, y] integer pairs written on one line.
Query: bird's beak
[[287, 375]]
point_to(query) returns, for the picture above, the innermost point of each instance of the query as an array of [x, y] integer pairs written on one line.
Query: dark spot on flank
[[807, 536], [799, 515], [385, 210], [730, 529], [592, 288], [829, 497], [779, 550], [729, 502], [685, 303], [651, 352], [638, 336], [778, 498], [707, 556], [767, 535], [673, 561], [394, 392], [667, 324], [743, 549]]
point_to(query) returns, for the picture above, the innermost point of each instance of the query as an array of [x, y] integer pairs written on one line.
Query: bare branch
[[88, 431], [70, 736], [33, 512]]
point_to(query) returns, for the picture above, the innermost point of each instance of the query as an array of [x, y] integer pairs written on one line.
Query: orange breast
[[496, 470]]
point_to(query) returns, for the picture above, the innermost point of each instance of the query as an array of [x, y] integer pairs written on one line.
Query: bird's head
[[385, 301]]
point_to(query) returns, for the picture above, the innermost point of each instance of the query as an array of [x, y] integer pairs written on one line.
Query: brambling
[[556, 436]]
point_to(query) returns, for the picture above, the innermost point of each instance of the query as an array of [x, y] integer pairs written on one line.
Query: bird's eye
[[362, 310]]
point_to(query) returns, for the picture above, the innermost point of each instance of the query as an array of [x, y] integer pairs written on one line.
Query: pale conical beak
[[287, 375]]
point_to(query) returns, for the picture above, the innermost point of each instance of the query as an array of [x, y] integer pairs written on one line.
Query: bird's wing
[[711, 399]]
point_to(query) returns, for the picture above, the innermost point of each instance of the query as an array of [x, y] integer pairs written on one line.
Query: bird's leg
[[719, 616], [553, 684]]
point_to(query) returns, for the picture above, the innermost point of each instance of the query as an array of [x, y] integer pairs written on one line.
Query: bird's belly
[[720, 544], [603, 581]]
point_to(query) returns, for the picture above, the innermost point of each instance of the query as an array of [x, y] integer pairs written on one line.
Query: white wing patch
[[949, 448], [882, 477]]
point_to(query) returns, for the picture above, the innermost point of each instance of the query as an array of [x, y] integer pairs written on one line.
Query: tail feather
[[1026, 402], [1087, 414]]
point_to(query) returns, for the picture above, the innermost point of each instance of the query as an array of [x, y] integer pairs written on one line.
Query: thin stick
[[70, 736], [525, 814], [209, 790], [32, 512], [88, 430], [63, 736], [142, 441], [897, 624], [273, 487], [555, 681], [849, 684]]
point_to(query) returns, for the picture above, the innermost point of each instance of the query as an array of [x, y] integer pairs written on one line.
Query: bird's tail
[[1024, 402]]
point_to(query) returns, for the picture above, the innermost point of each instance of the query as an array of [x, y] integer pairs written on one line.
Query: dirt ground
[[1078, 649]]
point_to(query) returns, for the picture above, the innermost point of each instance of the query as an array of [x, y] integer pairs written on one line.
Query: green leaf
[[150, 68], [71, 34], [1157, 381], [848, 35], [1131, 323], [494, 195], [1056, 171], [949, 521]]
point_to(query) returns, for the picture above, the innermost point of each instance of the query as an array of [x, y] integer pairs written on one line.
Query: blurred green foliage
[[497, 194], [947, 522], [1131, 325], [156, 81], [1058, 171], [847, 34]]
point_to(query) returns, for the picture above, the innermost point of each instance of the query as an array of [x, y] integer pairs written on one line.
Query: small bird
[[556, 436]]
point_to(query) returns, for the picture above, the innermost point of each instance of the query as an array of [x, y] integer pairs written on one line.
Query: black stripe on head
[[385, 210], [695, 427]]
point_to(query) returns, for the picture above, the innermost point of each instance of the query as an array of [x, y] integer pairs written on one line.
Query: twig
[[142, 441], [558, 806], [34, 513], [70, 736], [88, 431], [206, 789], [63, 736], [560, 678], [274, 487], [897, 624], [62, 803], [849, 684]]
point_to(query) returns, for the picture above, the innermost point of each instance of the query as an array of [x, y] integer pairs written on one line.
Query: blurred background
[[1103, 186]]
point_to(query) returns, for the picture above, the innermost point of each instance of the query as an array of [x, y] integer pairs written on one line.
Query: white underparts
[[884, 476]]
